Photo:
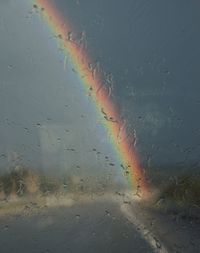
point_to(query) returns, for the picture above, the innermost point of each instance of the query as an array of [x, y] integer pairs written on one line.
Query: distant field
[[19, 185]]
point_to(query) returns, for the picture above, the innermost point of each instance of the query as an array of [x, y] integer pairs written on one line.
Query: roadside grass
[[21, 182], [180, 196], [184, 190]]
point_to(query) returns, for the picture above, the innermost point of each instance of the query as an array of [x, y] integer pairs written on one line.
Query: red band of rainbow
[[99, 94]]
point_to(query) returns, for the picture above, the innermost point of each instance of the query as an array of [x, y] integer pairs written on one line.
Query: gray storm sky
[[151, 49], [47, 119]]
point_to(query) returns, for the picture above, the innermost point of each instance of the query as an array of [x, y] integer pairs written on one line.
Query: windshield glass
[[99, 126]]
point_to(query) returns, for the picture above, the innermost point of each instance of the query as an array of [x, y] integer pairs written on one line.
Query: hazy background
[[149, 53], [151, 48]]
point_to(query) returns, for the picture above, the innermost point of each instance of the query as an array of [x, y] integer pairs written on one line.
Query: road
[[96, 225]]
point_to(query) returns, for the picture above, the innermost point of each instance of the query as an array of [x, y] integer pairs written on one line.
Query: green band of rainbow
[[99, 94]]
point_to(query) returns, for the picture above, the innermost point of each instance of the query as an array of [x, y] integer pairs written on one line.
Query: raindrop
[[122, 166], [122, 133], [111, 164], [127, 202], [65, 62], [158, 245], [64, 185], [107, 212], [6, 227], [127, 173], [109, 78], [94, 69], [74, 70], [82, 40], [69, 36], [134, 138], [138, 191], [70, 149], [108, 118], [78, 216], [167, 72], [60, 36]]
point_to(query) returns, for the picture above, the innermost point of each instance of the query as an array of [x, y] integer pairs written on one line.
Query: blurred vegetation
[[181, 192], [21, 182], [185, 189]]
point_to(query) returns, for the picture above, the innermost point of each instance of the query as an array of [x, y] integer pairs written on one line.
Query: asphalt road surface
[[91, 225], [96, 226]]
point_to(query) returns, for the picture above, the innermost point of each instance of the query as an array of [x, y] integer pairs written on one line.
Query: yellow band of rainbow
[[99, 93]]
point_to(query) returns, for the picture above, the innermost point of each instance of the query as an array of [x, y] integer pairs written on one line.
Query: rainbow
[[92, 81]]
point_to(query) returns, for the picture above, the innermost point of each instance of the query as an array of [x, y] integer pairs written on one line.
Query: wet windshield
[[99, 126]]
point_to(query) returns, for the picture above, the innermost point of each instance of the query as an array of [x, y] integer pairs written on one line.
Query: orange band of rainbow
[[98, 92]]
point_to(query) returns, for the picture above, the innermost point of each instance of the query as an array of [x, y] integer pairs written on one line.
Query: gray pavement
[[96, 226], [108, 223]]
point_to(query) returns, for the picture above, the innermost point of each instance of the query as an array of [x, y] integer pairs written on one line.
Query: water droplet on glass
[[78, 216]]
